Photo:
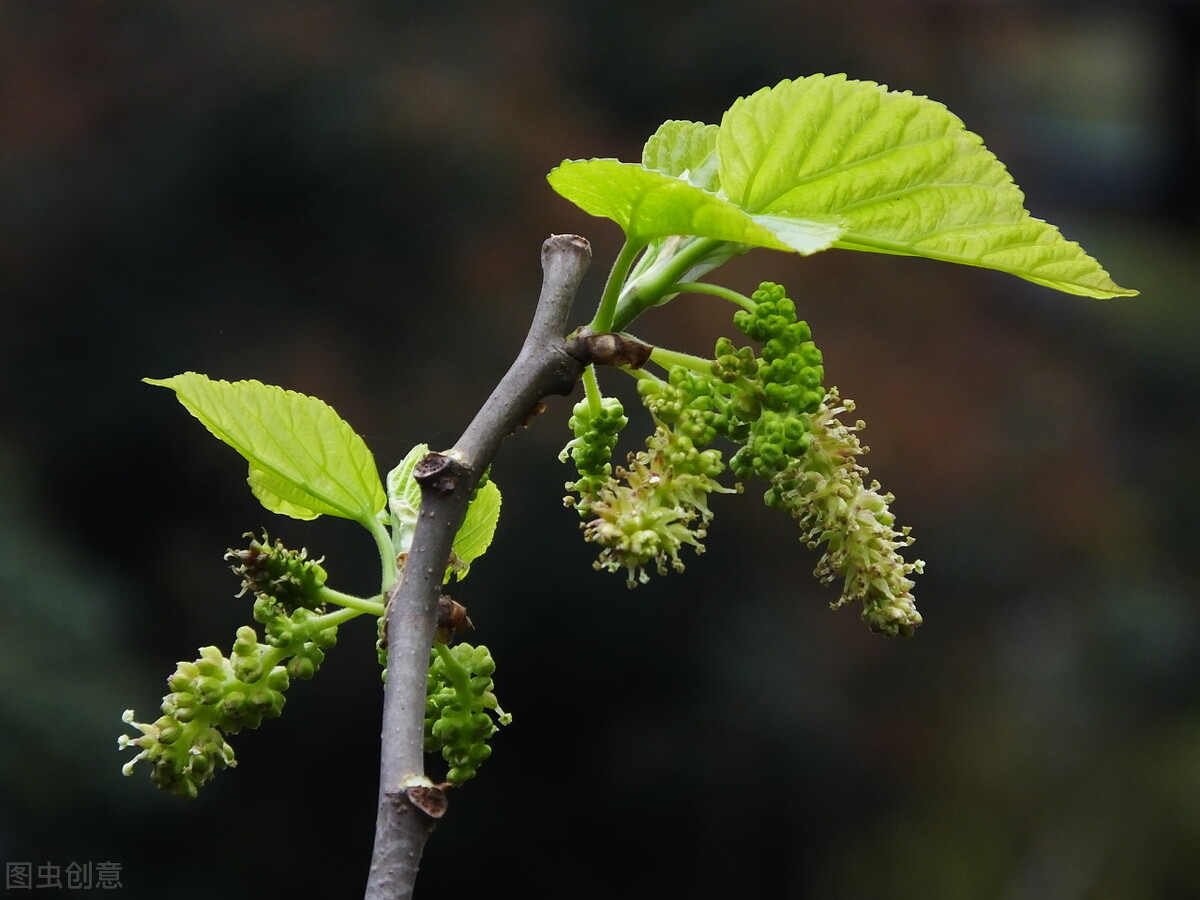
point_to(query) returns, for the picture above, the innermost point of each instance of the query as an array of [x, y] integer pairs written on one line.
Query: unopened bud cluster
[[461, 710], [786, 387], [596, 430], [216, 695]]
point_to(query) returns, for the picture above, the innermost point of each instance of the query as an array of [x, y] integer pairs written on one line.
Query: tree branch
[[409, 805]]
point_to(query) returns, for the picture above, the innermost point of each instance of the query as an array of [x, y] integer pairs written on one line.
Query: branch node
[[439, 472], [452, 619], [429, 799], [608, 349]]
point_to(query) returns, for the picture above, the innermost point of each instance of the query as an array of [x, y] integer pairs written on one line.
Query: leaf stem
[[650, 287], [603, 320], [387, 553]]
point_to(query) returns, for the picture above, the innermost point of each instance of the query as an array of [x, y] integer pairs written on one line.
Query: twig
[[407, 809]]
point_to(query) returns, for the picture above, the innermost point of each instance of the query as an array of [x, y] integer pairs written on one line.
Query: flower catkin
[[651, 510], [826, 492], [218, 695]]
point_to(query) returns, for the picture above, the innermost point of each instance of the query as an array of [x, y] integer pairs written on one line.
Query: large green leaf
[[305, 460], [649, 204], [899, 172]]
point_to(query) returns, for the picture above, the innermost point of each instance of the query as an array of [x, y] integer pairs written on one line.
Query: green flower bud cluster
[[762, 403], [216, 695], [826, 492], [596, 431], [787, 384], [649, 511], [693, 406], [461, 711], [287, 577], [300, 638], [186, 745]]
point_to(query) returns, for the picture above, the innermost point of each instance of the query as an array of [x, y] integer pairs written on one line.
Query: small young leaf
[[685, 150], [475, 534], [899, 172], [650, 204], [404, 498], [477, 530], [305, 460]]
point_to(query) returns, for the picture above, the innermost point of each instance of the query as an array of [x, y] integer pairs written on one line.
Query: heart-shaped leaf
[[305, 460], [899, 172]]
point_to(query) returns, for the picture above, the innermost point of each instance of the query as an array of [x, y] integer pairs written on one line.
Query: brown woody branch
[[409, 806]]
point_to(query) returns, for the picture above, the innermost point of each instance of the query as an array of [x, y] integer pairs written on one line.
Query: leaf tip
[[173, 381]]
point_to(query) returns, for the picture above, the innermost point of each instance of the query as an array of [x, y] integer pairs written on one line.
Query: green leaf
[[404, 498], [686, 150], [650, 204], [305, 460], [473, 537], [281, 496], [899, 172], [477, 530]]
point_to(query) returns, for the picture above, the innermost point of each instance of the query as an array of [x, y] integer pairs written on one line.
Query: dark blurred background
[[348, 199]]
